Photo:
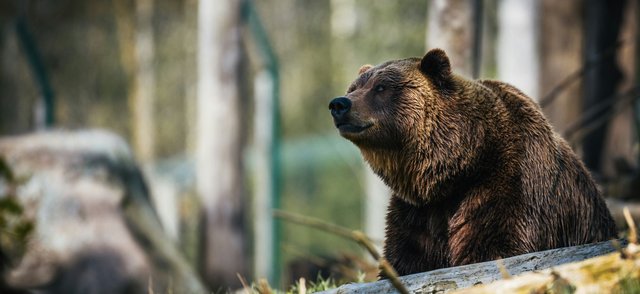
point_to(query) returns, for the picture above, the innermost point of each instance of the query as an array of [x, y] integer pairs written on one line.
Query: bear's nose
[[339, 106]]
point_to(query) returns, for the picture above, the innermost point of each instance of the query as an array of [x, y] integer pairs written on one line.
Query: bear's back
[[565, 200]]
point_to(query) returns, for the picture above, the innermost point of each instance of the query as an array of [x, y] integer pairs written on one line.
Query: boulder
[[94, 228]]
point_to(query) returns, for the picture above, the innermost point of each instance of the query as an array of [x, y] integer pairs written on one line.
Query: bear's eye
[[379, 88]]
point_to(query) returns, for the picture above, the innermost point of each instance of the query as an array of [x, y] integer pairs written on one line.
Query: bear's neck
[[410, 177], [415, 175]]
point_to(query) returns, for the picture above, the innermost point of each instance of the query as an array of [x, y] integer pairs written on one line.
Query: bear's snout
[[339, 107]]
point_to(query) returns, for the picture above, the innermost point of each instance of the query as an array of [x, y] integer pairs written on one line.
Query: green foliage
[[321, 284], [15, 227], [627, 285], [5, 171], [331, 193], [9, 206]]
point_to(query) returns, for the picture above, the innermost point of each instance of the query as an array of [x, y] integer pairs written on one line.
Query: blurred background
[[224, 105]]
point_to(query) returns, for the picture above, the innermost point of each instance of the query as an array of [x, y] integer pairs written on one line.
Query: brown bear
[[476, 170]]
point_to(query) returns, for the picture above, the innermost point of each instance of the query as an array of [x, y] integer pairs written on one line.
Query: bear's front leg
[[490, 229], [416, 238]]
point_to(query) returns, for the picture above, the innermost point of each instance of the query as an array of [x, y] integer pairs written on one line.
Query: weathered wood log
[[448, 279], [612, 273]]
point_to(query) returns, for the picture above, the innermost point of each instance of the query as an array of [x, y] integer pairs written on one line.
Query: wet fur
[[476, 170]]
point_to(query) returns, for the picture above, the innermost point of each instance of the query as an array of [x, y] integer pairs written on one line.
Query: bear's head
[[413, 122]]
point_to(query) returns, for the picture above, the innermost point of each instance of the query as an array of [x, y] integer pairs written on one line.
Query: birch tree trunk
[[135, 39], [218, 155], [450, 27], [517, 55], [263, 202], [144, 81], [378, 195]]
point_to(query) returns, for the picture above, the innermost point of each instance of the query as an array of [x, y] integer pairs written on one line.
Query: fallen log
[[612, 273], [454, 278]]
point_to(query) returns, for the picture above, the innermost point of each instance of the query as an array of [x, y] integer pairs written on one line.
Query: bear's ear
[[435, 65], [364, 68]]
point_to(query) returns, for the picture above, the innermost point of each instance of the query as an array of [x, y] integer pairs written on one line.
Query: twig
[[150, 285], [263, 287], [361, 238], [354, 235], [245, 286], [578, 74], [302, 286], [503, 270], [593, 118], [594, 112], [388, 271], [633, 234]]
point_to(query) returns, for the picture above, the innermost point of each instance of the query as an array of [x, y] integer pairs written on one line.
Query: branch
[[594, 118], [355, 235], [578, 74]]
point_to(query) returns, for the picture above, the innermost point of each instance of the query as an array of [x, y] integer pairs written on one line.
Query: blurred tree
[[561, 56], [517, 56], [19, 92], [135, 37], [144, 89], [602, 27], [621, 134], [189, 75], [219, 149], [344, 21], [450, 27]]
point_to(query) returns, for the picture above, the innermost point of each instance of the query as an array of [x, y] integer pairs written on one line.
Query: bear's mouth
[[351, 128]]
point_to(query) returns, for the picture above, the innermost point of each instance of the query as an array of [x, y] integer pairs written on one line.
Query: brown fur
[[476, 171]]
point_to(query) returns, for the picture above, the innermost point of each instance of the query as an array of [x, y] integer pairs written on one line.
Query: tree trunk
[[561, 56], [263, 202], [517, 55], [218, 156], [621, 139], [602, 27], [190, 75], [143, 104], [378, 195], [450, 27], [16, 101], [135, 39]]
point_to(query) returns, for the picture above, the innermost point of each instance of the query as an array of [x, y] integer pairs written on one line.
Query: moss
[[321, 284], [627, 285]]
